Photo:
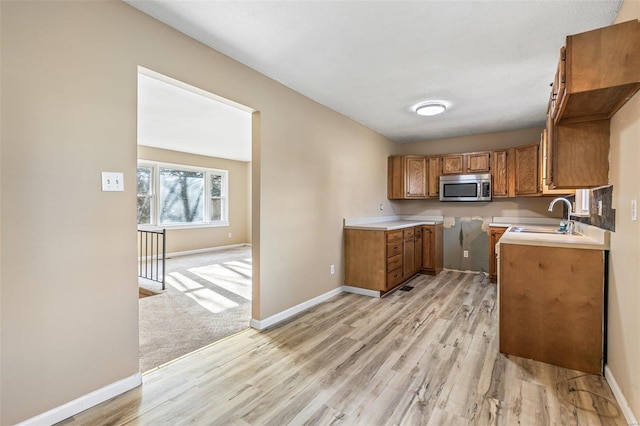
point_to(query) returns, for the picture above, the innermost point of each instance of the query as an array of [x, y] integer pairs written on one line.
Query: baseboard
[[622, 401], [361, 291], [288, 313], [205, 250], [89, 400]]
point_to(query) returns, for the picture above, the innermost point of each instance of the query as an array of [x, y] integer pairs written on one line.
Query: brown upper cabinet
[[500, 173], [527, 170], [516, 171], [578, 155], [544, 154], [452, 164], [407, 177], [434, 167], [478, 162], [472, 162], [598, 72]]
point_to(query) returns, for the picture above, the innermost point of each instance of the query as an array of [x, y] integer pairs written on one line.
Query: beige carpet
[[207, 298]]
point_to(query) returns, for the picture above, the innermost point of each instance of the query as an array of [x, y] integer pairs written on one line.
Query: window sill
[[185, 226], [581, 214]]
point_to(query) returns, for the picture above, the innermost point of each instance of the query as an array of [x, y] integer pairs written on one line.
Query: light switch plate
[[112, 181], [634, 210]]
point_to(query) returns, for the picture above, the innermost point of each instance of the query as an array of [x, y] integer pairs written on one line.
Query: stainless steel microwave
[[465, 187]]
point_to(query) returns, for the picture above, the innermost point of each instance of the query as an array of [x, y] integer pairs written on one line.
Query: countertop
[[590, 238], [390, 223], [507, 221]]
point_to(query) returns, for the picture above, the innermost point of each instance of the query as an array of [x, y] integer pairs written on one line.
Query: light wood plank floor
[[424, 357]]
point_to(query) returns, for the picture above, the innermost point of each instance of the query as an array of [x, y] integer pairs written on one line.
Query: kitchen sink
[[541, 230]]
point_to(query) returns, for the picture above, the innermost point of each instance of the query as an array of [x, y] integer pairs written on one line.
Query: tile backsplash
[[608, 218]]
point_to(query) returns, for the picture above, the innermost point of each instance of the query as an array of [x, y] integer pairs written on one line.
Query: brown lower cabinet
[[551, 305], [382, 260], [432, 251], [495, 232]]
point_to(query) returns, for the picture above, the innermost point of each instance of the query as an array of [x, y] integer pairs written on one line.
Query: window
[[216, 196], [181, 194], [582, 202], [186, 195], [145, 195]]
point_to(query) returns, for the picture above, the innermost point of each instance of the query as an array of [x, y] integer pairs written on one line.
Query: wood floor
[[422, 357]]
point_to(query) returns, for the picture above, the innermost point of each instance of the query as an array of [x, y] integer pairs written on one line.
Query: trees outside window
[[145, 195], [182, 195]]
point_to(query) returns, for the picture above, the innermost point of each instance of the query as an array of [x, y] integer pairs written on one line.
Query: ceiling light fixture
[[431, 108]]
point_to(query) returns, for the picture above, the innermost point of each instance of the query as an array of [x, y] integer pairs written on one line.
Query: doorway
[[194, 181]]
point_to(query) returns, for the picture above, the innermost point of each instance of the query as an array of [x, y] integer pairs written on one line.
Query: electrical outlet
[[465, 253], [634, 210], [229, 235], [599, 207], [381, 206], [332, 269]]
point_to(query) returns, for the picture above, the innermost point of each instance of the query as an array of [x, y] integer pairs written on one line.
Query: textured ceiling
[[491, 62]]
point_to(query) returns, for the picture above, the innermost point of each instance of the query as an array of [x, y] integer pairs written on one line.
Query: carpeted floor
[[207, 298]]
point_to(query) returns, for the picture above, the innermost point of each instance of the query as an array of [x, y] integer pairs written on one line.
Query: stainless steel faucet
[[570, 224]]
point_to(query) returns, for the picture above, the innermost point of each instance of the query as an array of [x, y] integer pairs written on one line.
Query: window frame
[[151, 194], [582, 203], [156, 202]]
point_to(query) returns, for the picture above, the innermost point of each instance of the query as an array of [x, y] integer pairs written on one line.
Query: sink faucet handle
[[570, 226]]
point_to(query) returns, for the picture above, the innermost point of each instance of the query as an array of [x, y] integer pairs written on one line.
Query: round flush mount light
[[431, 108]]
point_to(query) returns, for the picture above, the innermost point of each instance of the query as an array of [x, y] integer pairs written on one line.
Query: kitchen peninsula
[[551, 293]]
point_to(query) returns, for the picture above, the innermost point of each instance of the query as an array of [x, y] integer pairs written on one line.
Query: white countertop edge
[[515, 220], [391, 226], [567, 244], [349, 222]]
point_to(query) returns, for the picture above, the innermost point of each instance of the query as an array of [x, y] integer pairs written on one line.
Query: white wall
[[623, 346]]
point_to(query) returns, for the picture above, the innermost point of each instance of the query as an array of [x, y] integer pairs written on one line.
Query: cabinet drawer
[[394, 236], [409, 234], [394, 262], [394, 248], [394, 278]]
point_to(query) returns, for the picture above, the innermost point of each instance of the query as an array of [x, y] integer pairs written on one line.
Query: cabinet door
[[416, 176], [538, 286], [478, 162], [407, 177], [527, 168], [550, 138], [434, 167], [602, 72], [395, 178], [558, 86], [500, 174], [579, 155], [417, 265], [408, 254], [544, 161], [494, 236], [428, 260], [452, 164]]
